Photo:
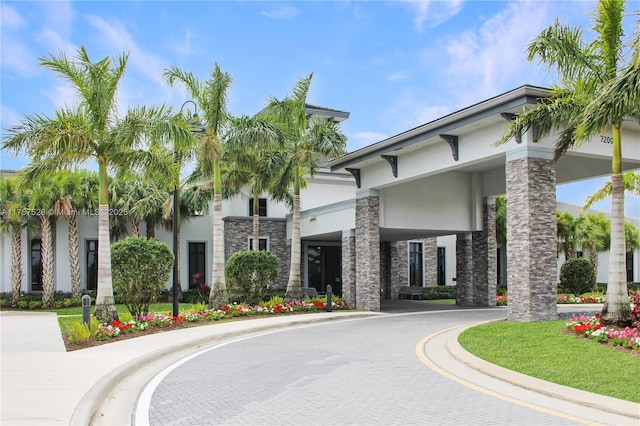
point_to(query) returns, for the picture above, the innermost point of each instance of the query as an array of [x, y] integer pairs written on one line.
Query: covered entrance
[[441, 179]]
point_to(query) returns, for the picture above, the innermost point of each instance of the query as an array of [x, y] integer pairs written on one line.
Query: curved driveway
[[357, 372]]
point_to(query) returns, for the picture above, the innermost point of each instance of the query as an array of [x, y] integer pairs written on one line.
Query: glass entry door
[[323, 267]]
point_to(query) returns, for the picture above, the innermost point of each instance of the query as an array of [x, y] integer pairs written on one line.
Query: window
[[629, 260], [416, 274], [441, 266], [262, 207], [92, 264], [263, 244], [36, 264], [197, 264]]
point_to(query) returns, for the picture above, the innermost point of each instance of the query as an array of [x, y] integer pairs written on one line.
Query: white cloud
[[10, 18], [361, 139], [62, 96], [400, 75], [281, 12], [148, 67], [433, 13], [429, 113], [16, 56], [55, 43], [492, 59], [8, 116]]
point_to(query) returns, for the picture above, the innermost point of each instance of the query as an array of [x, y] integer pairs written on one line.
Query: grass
[[541, 350], [66, 316], [442, 301]]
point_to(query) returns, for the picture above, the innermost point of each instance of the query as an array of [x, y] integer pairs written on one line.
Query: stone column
[[399, 267], [464, 269], [367, 250], [430, 261], [349, 266], [531, 234], [484, 257]]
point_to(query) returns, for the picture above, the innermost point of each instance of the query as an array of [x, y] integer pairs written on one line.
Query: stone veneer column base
[[531, 235], [349, 266], [464, 270], [367, 251], [485, 257]]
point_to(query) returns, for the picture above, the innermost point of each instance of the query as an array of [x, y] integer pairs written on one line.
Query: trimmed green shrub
[[439, 292], [141, 268], [249, 272], [577, 276]]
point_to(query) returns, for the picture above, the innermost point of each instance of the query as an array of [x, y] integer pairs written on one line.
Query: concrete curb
[[587, 399], [94, 397]]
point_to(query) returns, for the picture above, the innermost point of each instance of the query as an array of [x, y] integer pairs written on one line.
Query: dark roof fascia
[[522, 95], [318, 110]]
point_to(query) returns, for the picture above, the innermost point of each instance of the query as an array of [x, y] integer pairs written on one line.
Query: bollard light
[[329, 301], [86, 310]]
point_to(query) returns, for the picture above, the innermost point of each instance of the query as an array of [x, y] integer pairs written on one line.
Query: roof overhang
[[510, 102]]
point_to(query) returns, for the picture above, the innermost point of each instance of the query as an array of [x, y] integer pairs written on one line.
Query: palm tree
[[211, 98], [13, 205], [631, 237], [592, 233], [631, 183], [252, 146], [307, 141], [566, 230], [67, 208], [93, 130], [43, 192], [586, 71]]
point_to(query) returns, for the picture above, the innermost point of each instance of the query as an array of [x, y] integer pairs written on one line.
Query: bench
[[309, 292], [411, 292]]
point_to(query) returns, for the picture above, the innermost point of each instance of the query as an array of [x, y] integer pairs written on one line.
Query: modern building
[[416, 209]]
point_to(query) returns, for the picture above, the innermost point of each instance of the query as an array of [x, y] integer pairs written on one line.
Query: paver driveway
[[359, 372]]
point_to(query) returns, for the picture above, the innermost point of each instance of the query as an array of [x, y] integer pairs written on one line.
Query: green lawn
[[541, 350], [442, 301]]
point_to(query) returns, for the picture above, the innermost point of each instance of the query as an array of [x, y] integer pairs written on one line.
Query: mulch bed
[[70, 346]]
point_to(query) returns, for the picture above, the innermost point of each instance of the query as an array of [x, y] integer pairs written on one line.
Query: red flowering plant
[[635, 312], [115, 329], [591, 328]]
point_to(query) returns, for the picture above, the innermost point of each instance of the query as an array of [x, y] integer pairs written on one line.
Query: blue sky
[[392, 65]]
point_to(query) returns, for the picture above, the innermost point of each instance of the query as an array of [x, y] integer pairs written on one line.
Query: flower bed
[[563, 300], [501, 300], [156, 320], [591, 328]]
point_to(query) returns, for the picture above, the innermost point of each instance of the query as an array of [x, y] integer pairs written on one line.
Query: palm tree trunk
[[16, 264], [47, 261], [616, 309], [105, 310], [151, 230], [135, 231], [294, 290], [218, 296], [74, 256]]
